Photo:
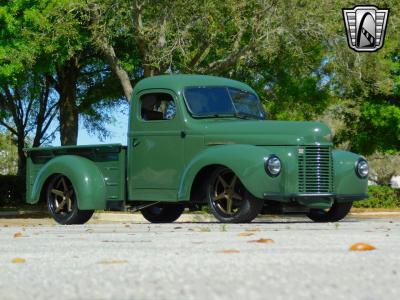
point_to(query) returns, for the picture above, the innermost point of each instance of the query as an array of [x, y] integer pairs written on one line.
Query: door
[[156, 147]]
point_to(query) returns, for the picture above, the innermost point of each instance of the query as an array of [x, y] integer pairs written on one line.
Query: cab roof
[[177, 83]]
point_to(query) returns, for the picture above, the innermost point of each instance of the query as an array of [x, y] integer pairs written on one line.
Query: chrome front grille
[[315, 169]]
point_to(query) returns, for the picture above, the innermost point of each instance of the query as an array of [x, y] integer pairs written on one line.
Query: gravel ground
[[296, 259]]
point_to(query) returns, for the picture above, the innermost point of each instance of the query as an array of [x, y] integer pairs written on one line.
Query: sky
[[118, 130]]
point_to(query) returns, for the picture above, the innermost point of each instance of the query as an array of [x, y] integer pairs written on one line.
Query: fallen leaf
[[17, 234], [18, 260], [262, 241], [127, 225], [253, 229], [361, 247], [228, 251], [246, 234], [113, 262]]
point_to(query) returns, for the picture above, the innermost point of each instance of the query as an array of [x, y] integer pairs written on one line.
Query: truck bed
[[109, 158]]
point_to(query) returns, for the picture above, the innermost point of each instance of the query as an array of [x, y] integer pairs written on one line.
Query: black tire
[[337, 212], [231, 203], [163, 212], [63, 203]]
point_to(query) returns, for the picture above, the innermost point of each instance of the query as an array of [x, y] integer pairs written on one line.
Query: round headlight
[[273, 165], [362, 168]]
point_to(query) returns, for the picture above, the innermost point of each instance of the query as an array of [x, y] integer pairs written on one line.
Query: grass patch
[[380, 197]]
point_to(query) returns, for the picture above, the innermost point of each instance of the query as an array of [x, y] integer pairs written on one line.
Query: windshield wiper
[[215, 115], [239, 115], [246, 116]]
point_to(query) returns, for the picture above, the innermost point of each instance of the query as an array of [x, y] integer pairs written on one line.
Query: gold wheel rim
[[62, 194], [226, 195]]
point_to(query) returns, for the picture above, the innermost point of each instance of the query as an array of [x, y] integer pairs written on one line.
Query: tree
[[47, 38], [8, 155], [365, 86], [27, 109], [294, 53], [383, 167], [143, 38]]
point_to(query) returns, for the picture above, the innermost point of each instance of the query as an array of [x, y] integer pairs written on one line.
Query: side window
[[157, 106]]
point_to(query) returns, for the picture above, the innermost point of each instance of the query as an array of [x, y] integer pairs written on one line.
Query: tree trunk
[[69, 112], [21, 156], [118, 70], [149, 72]]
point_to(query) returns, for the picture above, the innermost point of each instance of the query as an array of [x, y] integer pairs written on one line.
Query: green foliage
[[32, 35], [8, 155], [370, 126], [293, 52], [48, 38], [366, 88], [380, 197], [381, 121], [12, 190]]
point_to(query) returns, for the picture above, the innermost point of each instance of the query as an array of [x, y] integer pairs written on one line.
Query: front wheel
[[163, 213], [62, 202], [337, 212], [229, 200]]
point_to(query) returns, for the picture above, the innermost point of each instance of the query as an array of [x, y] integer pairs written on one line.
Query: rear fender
[[85, 176]]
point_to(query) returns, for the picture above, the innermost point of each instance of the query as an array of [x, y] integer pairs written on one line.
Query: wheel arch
[[85, 176], [246, 161], [42, 195], [198, 187]]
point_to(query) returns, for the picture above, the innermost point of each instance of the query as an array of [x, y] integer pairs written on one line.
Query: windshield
[[223, 102]]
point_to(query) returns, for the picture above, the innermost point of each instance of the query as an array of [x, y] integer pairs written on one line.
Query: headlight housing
[[273, 165], [362, 168]]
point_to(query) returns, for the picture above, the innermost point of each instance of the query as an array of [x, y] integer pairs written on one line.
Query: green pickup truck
[[200, 140]]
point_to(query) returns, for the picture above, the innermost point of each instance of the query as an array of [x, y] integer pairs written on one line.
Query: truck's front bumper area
[[333, 196], [315, 201]]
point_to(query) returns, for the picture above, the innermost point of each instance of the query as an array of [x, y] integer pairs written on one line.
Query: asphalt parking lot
[[277, 258]]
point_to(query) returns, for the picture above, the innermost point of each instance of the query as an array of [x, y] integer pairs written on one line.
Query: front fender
[[85, 176], [246, 161], [347, 183]]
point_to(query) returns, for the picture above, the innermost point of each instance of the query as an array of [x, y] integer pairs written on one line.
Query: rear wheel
[[337, 212], [163, 212], [229, 200], [62, 202]]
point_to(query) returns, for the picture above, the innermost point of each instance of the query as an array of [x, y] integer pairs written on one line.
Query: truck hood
[[263, 132]]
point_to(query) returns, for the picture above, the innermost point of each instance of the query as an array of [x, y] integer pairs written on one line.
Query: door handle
[[135, 142]]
